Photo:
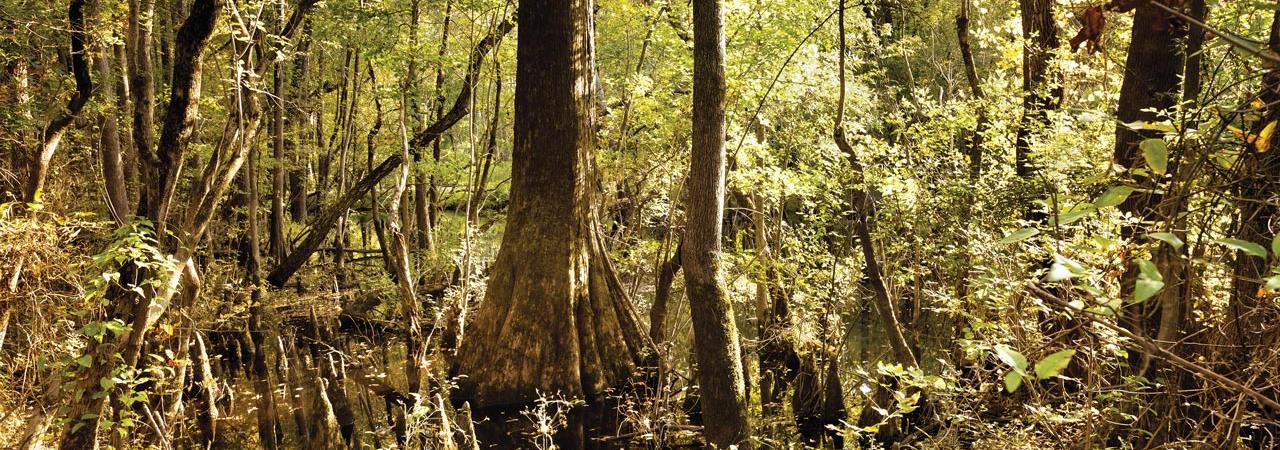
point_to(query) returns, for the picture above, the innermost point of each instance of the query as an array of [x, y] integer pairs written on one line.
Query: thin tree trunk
[[142, 91], [1041, 89], [476, 205], [662, 297], [1246, 328], [295, 122], [720, 377], [278, 193], [51, 136], [266, 408], [113, 161], [415, 350], [974, 143], [426, 195], [320, 227]]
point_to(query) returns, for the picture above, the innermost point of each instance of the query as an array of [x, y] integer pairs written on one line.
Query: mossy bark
[[555, 319]]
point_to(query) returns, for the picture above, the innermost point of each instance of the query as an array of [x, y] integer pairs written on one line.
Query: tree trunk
[[276, 238], [555, 319], [864, 214], [1153, 71], [720, 378], [142, 90], [113, 161], [179, 121], [266, 407], [295, 121], [1041, 89], [38, 170], [1247, 315], [425, 194], [415, 350], [319, 228], [476, 205], [662, 297], [973, 145]]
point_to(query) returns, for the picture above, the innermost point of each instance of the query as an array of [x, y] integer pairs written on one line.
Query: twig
[[1193, 368]]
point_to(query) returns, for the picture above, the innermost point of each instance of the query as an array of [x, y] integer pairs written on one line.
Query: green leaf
[[114, 326], [106, 382], [1275, 246], [1064, 268], [1012, 381], [1245, 246], [1076, 213], [1051, 365], [84, 361], [1114, 196], [1156, 153], [1168, 238], [1149, 281], [1012, 358], [1273, 283], [1020, 235], [1142, 125]]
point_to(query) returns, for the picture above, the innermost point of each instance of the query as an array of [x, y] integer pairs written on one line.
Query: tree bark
[[1153, 71], [192, 38], [51, 136], [266, 407], [425, 193], [720, 378], [113, 162], [555, 318], [276, 237], [1041, 88]]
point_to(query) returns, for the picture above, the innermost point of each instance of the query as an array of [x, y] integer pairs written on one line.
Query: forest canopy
[[333, 224]]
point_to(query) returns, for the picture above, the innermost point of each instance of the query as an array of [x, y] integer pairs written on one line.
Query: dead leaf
[[1092, 24]]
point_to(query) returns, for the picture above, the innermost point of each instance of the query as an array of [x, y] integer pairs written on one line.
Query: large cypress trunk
[[555, 318]]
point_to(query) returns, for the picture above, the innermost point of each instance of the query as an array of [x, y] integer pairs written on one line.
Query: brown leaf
[[1092, 23]]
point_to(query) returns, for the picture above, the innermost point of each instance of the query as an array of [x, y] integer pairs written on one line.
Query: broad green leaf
[[1076, 213], [1148, 269], [1156, 153], [1012, 381], [1114, 196], [1149, 281], [1275, 246], [114, 326], [85, 360], [1245, 246], [1012, 358], [1168, 238], [1064, 268], [1051, 365], [1020, 235], [1142, 125], [1273, 283]]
